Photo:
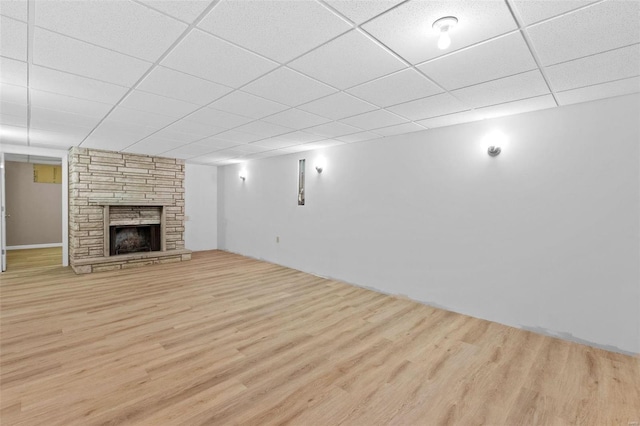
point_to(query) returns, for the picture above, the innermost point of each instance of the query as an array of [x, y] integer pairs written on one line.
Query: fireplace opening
[[124, 239]]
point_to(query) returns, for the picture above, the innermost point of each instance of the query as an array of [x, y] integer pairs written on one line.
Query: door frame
[[63, 156]]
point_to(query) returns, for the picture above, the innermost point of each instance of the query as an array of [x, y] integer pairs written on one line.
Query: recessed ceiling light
[[443, 25]]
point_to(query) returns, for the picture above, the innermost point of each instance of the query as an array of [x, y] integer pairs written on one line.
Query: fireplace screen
[[133, 238]]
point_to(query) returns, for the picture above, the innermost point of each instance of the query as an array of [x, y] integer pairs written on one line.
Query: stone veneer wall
[[104, 177]]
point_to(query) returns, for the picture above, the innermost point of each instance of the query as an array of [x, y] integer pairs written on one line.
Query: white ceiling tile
[[13, 114], [608, 66], [51, 139], [358, 137], [517, 107], [323, 144], [239, 137], [408, 31], [288, 87], [297, 148], [275, 143], [16, 9], [14, 94], [213, 117], [13, 38], [13, 72], [532, 11], [594, 29], [399, 129], [296, 119], [215, 158], [157, 104], [247, 105], [247, 149], [362, 10], [138, 117], [494, 59], [263, 129], [14, 135], [451, 119], [600, 91], [188, 151], [332, 130], [153, 145], [43, 118], [374, 119], [338, 106], [354, 59], [177, 85], [403, 86], [208, 57], [513, 88], [66, 54], [114, 136], [64, 103], [123, 26], [280, 30], [185, 10], [216, 144], [431, 106], [184, 127], [72, 85]]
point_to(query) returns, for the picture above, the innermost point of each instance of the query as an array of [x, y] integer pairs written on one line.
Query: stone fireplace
[[125, 210]]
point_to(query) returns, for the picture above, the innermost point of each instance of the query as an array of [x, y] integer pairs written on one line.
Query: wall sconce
[[243, 174], [494, 150], [320, 164]]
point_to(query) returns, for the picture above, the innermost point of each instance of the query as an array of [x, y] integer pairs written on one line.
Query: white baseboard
[[34, 246]]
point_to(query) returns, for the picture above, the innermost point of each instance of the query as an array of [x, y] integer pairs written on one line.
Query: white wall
[[544, 236], [201, 193]]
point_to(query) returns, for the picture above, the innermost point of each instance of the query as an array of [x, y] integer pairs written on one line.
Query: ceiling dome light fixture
[[443, 25]]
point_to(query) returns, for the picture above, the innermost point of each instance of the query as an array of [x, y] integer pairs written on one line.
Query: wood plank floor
[[224, 339], [34, 258]]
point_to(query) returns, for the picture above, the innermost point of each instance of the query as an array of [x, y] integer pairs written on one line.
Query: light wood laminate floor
[[225, 339], [34, 258]]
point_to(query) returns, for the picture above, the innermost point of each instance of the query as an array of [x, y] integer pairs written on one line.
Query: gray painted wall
[[545, 236]]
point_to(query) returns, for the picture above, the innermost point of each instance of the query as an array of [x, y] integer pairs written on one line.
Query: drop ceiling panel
[[354, 59], [500, 57], [54, 101], [600, 91], [517, 107], [247, 105], [300, 137], [288, 87], [43, 118], [138, 117], [208, 57], [115, 136], [13, 38], [399, 129], [513, 88], [13, 94], [451, 119], [403, 86], [374, 119], [431, 106], [153, 145], [275, 143], [13, 72], [358, 137], [13, 114], [360, 11], [296, 119], [280, 30], [177, 85], [14, 135], [594, 29], [216, 144], [194, 128], [337, 106], [49, 139], [157, 104], [408, 31], [75, 86], [213, 117], [263, 129], [187, 151], [613, 65], [535, 11], [16, 9], [123, 26], [238, 137], [73, 56], [184, 10], [332, 130]]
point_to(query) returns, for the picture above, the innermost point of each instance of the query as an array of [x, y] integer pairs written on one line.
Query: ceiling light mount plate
[[445, 23]]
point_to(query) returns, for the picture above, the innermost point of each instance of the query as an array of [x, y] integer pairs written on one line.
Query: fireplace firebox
[[124, 239]]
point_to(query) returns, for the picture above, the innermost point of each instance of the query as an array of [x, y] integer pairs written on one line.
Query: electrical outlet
[[277, 239]]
